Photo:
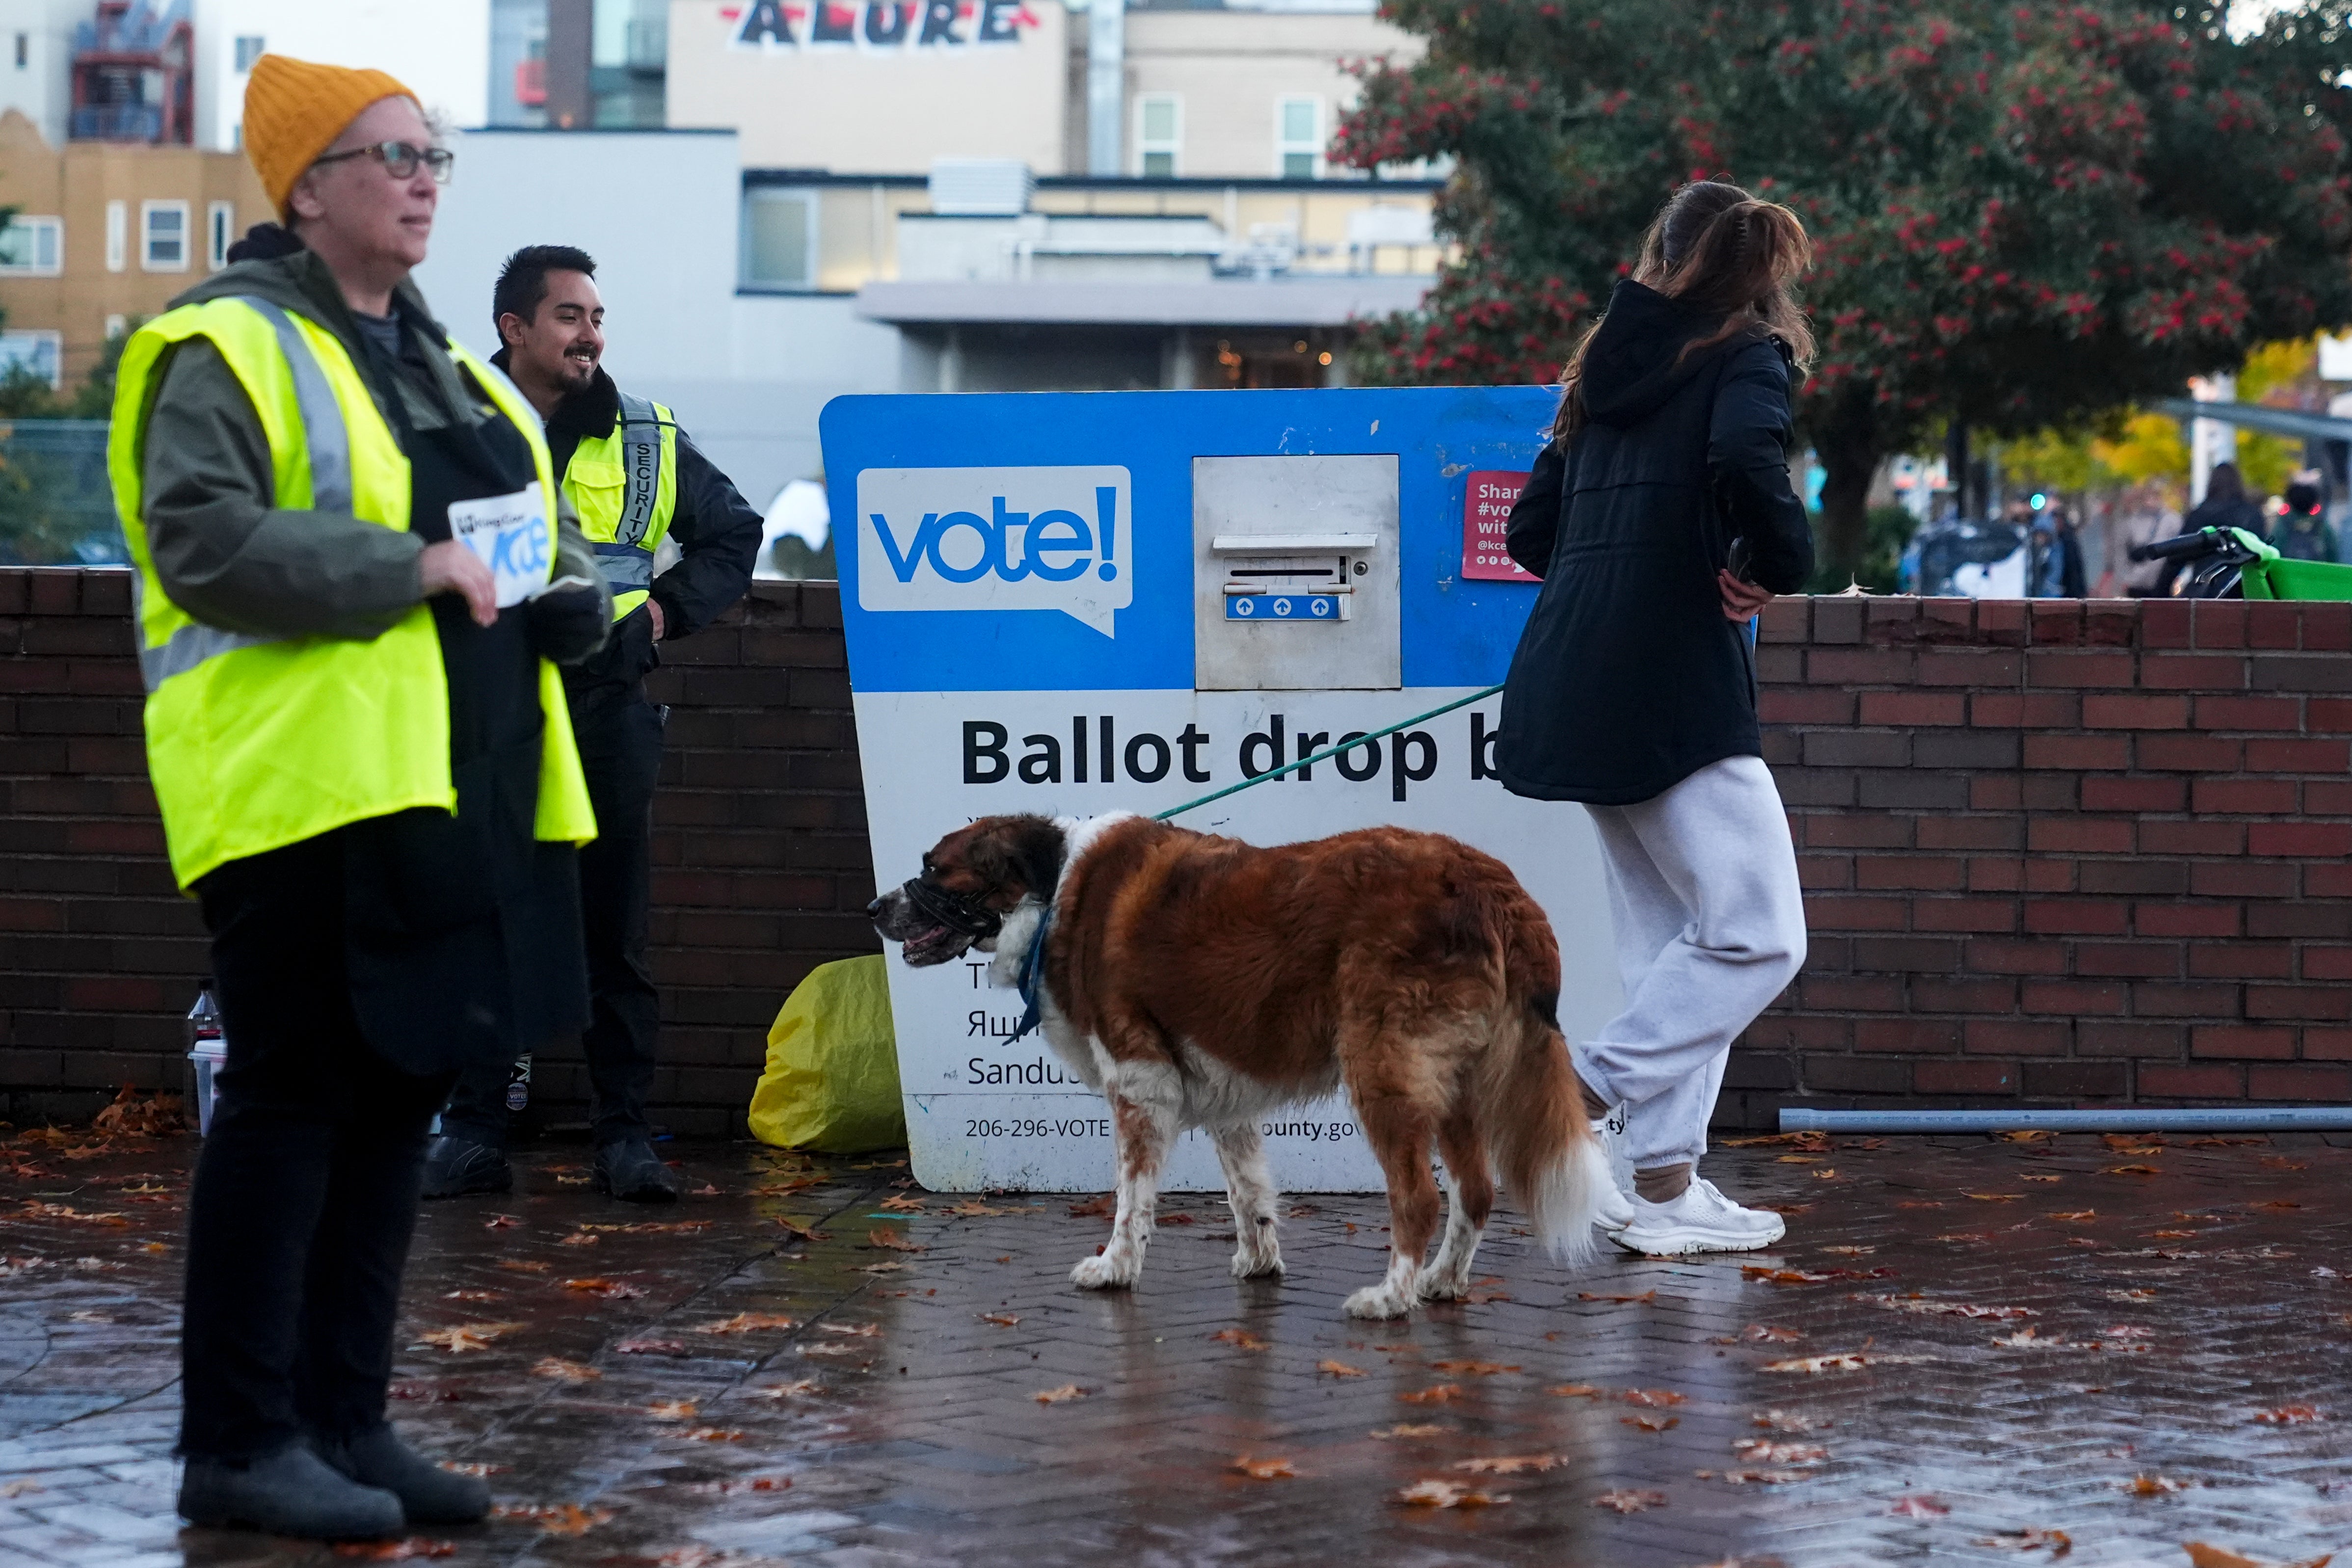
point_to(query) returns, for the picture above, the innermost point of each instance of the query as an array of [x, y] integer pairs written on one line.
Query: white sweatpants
[[1710, 927]]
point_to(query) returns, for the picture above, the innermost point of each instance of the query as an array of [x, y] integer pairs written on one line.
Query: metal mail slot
[[1294, 541]]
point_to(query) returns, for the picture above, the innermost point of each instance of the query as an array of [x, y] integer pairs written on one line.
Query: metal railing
[[56, 507], [119, 122]]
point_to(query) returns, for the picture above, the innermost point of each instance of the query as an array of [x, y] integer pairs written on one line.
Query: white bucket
[[206, 1059]]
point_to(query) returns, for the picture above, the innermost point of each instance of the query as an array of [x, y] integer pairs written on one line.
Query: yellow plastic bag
[[832, 1080]]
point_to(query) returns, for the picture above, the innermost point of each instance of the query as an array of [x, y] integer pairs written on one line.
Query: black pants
[[306, 1189], [620, 739]]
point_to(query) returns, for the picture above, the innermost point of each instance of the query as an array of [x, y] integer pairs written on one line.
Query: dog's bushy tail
[[1545, 1149]]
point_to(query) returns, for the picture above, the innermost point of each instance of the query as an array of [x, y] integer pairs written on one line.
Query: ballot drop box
[[1081, 602]]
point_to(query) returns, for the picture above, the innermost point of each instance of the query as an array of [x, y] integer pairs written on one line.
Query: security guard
[[636, 482], [353, 578]]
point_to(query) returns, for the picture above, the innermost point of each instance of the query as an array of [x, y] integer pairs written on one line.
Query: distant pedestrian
[[2054, 561], [1662, 519], [2302, 532], [637, 483], [2225, 506], [366, 774], [2141, 516]]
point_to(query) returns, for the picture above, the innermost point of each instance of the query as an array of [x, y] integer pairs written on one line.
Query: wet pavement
[[1963, 1342]]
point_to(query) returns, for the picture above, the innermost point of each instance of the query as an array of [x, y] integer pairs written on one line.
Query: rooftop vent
[[990, 187]]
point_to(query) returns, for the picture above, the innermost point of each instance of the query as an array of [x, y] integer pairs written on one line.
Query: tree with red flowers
[[2022, 215]]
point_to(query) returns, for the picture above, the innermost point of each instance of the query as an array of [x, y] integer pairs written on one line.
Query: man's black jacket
[[716, 531], [1628, 678]]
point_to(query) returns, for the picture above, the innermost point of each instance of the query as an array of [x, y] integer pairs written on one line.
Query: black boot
[[427, 1493], [289, 1492], [630, 1170], [454, 1167]]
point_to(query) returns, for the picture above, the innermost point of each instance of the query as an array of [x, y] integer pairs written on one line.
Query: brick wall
[[2058, 853], [761, 867], [2062, 853]]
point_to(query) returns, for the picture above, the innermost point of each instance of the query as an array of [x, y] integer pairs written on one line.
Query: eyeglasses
[[400, 159]]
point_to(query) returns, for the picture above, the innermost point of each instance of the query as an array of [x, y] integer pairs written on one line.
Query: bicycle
[[2231, 563]]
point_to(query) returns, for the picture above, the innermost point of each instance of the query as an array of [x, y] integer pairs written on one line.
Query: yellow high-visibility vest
[[255, 742], [624, 486]]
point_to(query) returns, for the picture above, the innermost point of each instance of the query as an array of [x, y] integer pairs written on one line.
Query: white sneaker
[[1701, 1220], [1614, 1210]]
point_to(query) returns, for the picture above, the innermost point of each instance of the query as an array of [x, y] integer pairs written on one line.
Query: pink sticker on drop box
[[1485, 509]]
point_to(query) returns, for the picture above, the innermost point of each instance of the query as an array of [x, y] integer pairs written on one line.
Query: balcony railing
[[119, 122]]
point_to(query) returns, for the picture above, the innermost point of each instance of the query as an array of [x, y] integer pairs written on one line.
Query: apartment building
[[106, 233]]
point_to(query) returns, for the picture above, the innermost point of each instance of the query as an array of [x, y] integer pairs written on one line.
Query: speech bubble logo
[[997, 538]]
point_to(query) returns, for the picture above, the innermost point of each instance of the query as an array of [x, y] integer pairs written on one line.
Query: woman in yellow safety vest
[[355, 587]]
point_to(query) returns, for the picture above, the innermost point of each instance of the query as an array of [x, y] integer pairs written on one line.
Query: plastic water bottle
[[207, 1051]]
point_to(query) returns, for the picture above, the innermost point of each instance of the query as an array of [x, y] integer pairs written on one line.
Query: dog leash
[[1327, 752]]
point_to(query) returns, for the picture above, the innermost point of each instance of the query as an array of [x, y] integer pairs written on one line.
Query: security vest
[[258, 741], [624, 486]]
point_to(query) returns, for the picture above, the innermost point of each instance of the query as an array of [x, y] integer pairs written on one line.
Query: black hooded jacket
[[1628, 677]]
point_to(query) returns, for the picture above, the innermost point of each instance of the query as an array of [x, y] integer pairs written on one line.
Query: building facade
[[105, 234]]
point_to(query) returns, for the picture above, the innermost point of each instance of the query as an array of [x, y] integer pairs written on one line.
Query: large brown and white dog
[[1197, 981]]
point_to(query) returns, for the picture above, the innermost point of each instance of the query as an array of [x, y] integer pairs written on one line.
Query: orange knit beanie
[[294, 109]]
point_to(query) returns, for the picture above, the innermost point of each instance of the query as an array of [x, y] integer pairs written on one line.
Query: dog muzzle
[[965, 917]]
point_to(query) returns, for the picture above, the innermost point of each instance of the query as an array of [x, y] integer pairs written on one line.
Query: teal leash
[[1328, 751]]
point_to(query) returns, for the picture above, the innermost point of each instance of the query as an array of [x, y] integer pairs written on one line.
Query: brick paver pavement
[[2007, 1335]]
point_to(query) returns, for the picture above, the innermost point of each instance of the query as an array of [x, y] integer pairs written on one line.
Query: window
[[249, 48], [780, 239], [1159, 135], [116, 326], [118, 234], [32, 247], [163, 236], [220, 233], [42, 353], [1298, 138]]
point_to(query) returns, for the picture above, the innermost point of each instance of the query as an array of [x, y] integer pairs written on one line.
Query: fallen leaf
[[1786, 1421], [1241, 1339], [1444, 1393], [2137, 1295], [1918, 1508], [1824, 1175], [395, 1551], [902, 1204], [651, 1347], [1340, 1369], [2074, 1215], [749, 1322], [2278, 1163], [1509, 1465], [1764, 1477], [2289, 1415], [715, 1434], [1002, 1319], [1472, 1368], [1850, 1251], [1652, 1423], [526, 1266], [890, 1240], [673, 1409], [564, 1519], [2134, 1143], [454, 1469], [1918, 1203], [1769, 1333], [2129, 1170], [2153, 1486], [1963, 1236], [1647, 1297], [1654, 1398], [611, 1289], [563, 1371], [1840, 1361], [581, 1239], [2203, 1556], [474, 1296], [466, 1336], [1068, 1390], [1765, 1451], [1103, 1208], [1410, 1430], [2275, 1203], [1994, 1196], [1575, 1390], [1265, 1469], [802, 1389], [1626, 1500], [1433, 1493], [2041, 1178], [2026, 1135], [800, 1232], [2057, 1540]]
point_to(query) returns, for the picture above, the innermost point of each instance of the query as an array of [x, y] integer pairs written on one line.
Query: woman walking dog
[[1661, 518]]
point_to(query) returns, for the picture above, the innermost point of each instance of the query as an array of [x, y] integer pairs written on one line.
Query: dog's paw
[[1251, 1263], [1112, 1271], [1441, 1285], [1381, 1300]]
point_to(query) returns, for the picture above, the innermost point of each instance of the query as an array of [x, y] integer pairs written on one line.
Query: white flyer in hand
[[511, 536]]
